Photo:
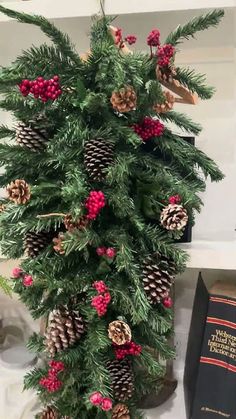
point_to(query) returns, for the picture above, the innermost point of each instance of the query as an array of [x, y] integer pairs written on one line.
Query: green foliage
[[195, 82], [197, 24], [5, 287], [137, 186]]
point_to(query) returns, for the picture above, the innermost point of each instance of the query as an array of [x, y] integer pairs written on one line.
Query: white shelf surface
[[211, 254], [52, 9]]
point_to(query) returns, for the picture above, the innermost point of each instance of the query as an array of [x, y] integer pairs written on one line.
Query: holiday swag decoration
[[98, 187]]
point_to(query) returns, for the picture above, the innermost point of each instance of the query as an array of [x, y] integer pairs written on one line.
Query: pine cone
[[124, 100], [166, 74], [99, 156], [19, 191], [167, 105], [174, 217], [31, 136], [49, 413], [65, 328], [58, 244], [122, 379], [120, 411], [157, 278], [119, 332], [72, 225], [35, 243]]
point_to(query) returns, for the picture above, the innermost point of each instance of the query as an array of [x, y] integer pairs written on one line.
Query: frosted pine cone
[[119, 332], [174, 217], [19, 191], [124, 100], [120, 411], [167, 105], [65, 328]]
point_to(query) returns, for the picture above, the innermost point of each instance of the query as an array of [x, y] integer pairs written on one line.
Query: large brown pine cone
[[49, 413], [174, 217], [167, 105], [19, 191], [119, 332], [122, 379], [124, 100], [31, 136], [35, 243], [99, 156], [157, 277], [120, 411], [65, 328]]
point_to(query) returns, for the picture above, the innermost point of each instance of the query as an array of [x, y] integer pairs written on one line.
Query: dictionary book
[[210, 371]]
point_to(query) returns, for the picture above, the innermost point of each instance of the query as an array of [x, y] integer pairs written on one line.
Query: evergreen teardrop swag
[[98, 189]]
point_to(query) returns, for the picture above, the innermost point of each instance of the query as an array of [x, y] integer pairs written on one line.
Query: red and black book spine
[[215, 392]]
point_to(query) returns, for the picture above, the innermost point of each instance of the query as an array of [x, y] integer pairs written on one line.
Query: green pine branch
[[5, 286], [181, 121], [195, 82], [61, 40], [195, 25]]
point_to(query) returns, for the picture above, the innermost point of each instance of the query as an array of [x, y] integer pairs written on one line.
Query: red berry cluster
[[175, 199], [51, 382], [131, 39], [153, 39], [27, 280], [119, 38], [164, 54], [94, 203], [129, 348], [110, 252], [149, 128], [100, 302], [98, 400], [100, 287], [41, 88]]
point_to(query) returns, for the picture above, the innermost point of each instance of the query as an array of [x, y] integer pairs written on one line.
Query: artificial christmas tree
[[95, 224]]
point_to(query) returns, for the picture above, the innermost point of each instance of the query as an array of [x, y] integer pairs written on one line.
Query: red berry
[[167, 302]]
